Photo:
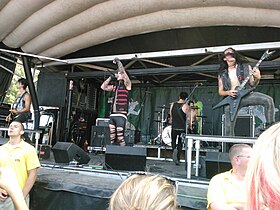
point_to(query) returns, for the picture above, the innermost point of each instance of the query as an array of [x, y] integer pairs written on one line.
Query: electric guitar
[[241, 92], [10, 116]]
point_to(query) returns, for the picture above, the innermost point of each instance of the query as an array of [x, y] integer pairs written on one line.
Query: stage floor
[[60, 186]]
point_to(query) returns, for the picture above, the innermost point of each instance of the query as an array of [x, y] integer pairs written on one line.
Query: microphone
[[199, 84], [112, 73]]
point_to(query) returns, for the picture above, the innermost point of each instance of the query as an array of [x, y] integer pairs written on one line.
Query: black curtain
[[7, 68]]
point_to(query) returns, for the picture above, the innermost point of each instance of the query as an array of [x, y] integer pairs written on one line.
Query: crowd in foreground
[[252, 183]]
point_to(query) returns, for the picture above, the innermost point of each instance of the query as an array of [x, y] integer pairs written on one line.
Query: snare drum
[[166, 135]]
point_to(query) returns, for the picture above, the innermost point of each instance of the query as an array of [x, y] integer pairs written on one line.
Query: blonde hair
[[144, 192], [263, 173]]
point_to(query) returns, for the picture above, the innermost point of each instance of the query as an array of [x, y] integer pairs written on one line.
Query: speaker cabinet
[[65, 152], [44, 152], [244, 126], [100, 136], [216, 162], [129, 137], [102, 122], [125, 158], [51, 89]]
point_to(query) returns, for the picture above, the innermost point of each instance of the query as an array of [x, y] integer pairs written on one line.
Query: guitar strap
[[21, 97]]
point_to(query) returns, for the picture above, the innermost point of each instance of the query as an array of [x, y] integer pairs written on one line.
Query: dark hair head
[[183, 95], [239, 58], [23, 82], [191, 102]]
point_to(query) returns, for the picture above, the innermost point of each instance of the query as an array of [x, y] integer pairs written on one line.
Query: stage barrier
[[195, 139]]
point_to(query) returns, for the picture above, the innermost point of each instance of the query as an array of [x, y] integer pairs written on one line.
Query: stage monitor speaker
[[125, 158], [216, 162], [244, 126], [65, 152], [100, 136]]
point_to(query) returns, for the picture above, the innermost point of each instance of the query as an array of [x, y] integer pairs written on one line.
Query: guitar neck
[[250, 74]]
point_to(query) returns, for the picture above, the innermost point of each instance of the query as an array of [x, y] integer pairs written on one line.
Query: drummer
[[178, 121], [193, 118]]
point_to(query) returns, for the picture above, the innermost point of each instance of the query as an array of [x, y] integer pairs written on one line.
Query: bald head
[[237, 149]]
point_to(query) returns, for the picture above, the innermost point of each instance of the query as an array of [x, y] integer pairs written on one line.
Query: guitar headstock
[[267, 54]]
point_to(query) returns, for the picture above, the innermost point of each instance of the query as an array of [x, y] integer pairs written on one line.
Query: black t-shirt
[[178, 117]]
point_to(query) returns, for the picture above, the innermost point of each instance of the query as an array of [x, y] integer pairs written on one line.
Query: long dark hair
[[238, 57]]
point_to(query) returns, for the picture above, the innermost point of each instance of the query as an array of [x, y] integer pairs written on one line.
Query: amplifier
[[245, 126], [100, 136], [102, 122], [129, 137], [44, 152]]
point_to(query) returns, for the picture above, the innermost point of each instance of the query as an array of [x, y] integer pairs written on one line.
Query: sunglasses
[[170, 181], [229, 54], [247, 156]]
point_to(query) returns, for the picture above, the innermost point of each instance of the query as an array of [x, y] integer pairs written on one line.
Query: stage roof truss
[[156, 67], [171, 53]]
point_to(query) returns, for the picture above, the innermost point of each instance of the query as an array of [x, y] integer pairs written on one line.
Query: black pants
[[23, 117], [117, 127], [174, 135]]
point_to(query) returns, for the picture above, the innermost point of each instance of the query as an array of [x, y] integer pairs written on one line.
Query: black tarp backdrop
[[155, 97], [51, 91], [5, 76]]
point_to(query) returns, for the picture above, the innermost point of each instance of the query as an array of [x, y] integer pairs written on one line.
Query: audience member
[[9, 185], [144, 192], [22, 158], [263, 174], [228, 190]]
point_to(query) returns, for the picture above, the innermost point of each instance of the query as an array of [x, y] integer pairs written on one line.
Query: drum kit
[[164, 127], [162, 123]]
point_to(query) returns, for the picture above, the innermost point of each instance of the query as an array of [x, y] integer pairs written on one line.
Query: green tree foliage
[[13, 92]]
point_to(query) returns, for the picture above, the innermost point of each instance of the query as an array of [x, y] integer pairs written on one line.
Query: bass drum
[[166, 135]]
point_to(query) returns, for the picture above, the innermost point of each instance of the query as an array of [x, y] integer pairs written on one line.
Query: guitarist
[[21, 110], [233, 70]]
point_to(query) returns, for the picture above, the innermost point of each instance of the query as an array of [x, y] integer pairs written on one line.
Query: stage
[[64, 186], [89, 186]]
